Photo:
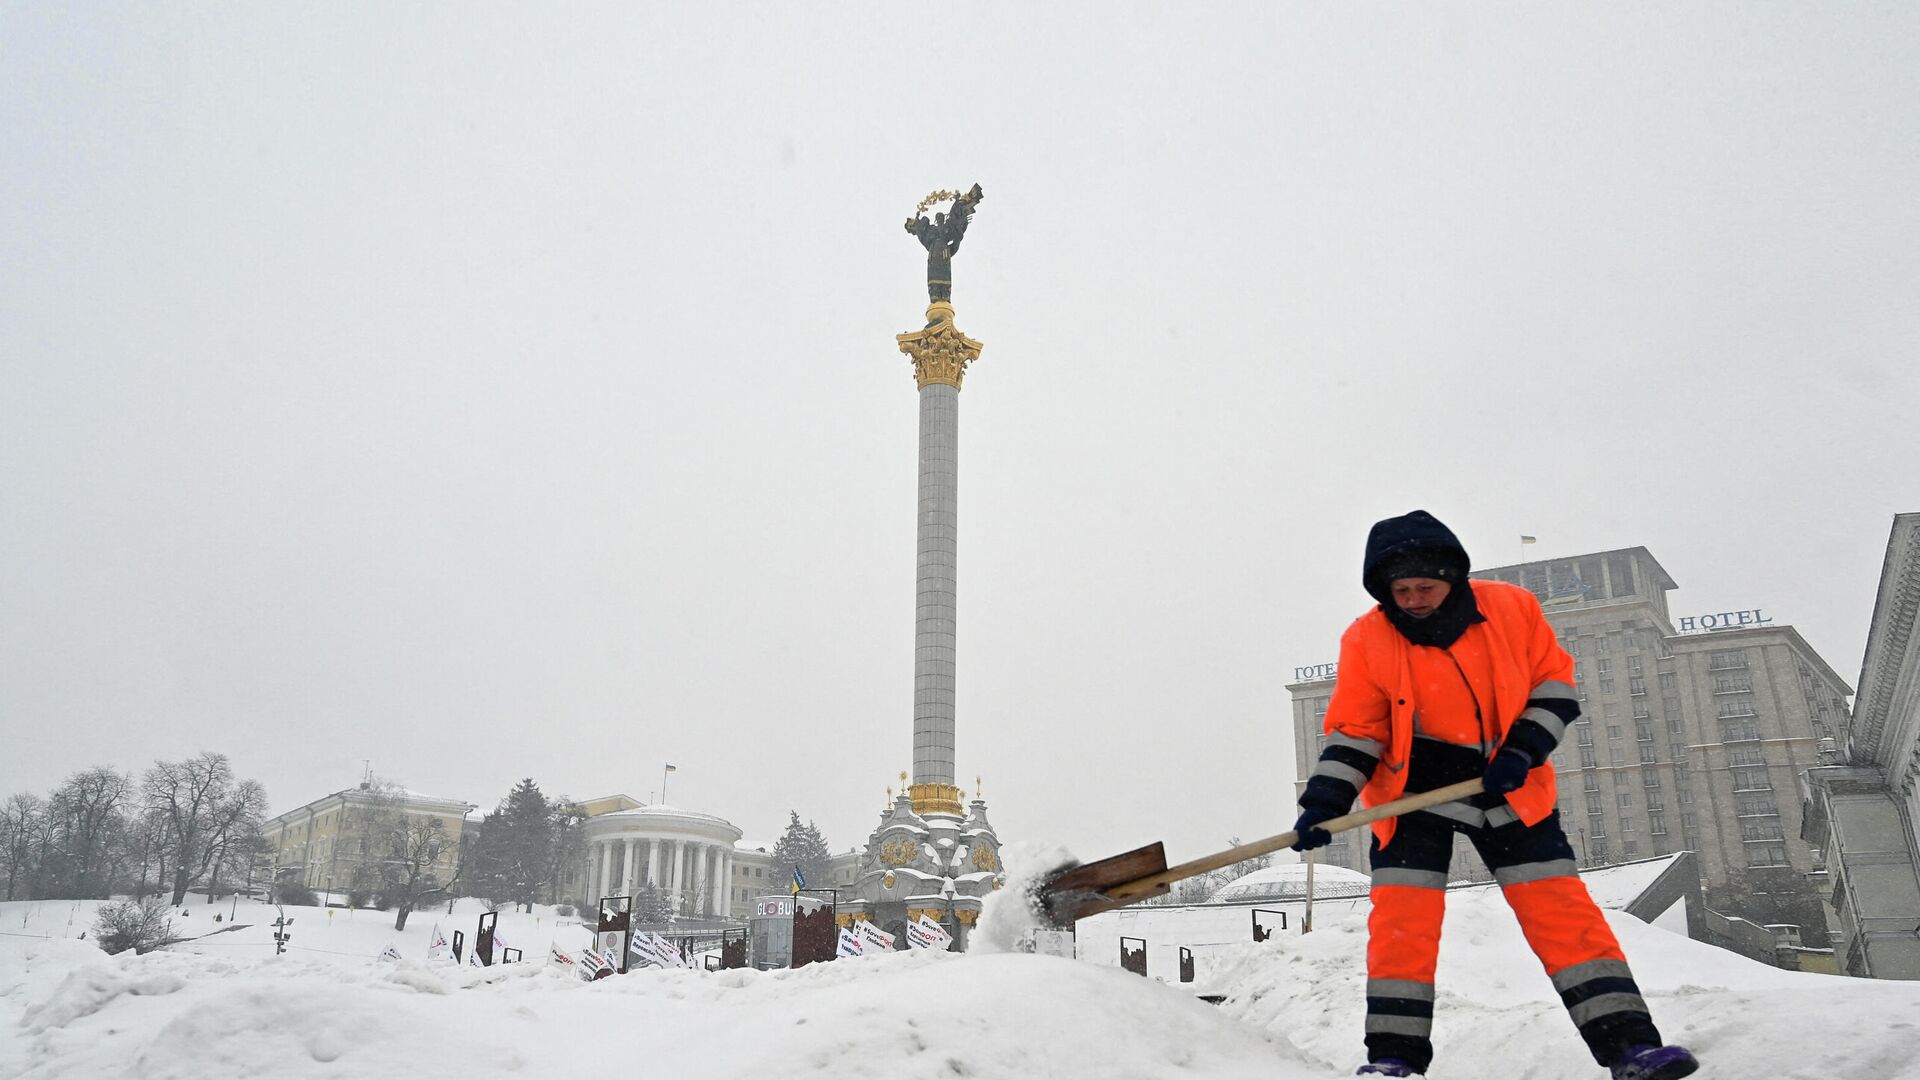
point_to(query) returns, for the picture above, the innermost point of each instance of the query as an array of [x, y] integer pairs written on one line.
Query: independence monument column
[[940, 354]]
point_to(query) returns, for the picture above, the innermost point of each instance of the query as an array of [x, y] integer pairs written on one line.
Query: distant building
[[1692, 735], [698, 860], [1860, 813], [324, 843]]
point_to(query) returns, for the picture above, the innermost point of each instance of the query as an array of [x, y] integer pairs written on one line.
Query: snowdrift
[[1293, 1009]]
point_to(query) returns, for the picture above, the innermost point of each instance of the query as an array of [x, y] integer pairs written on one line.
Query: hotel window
[[1592, 782], [1603, 665], [1619, 757], [1650, 778], [1587, 760], [1646, 754], [1613, 731], [1620, 575], [1584, 733], [1627, 826], [1633, 664], [1676, 725], [1766, 854], [1636, 685], [1667, 680], [1750, 779], [1624, 800], [1603, 644], [1606, 686], [1644, 731], [1657, 824]]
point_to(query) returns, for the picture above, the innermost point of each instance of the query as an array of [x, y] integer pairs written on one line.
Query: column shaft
[[934, 621]]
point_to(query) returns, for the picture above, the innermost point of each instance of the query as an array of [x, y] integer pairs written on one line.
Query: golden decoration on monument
[[899, 852], [984, 859]]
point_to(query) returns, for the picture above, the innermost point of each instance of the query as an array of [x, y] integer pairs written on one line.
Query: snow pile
[[1293, 1010], [1496, 1013]]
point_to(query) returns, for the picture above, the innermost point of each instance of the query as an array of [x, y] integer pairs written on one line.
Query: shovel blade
[[1080, 891]]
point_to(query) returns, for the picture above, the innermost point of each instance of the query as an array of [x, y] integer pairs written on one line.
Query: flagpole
[[663, 784]]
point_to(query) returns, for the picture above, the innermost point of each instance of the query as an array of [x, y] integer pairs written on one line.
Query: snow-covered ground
[[224, 1006]]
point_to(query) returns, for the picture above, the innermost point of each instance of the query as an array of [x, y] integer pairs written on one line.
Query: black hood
[[1418, 539]]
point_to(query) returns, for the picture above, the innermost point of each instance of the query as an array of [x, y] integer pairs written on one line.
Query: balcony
[[1726, 664], [1732, 686]]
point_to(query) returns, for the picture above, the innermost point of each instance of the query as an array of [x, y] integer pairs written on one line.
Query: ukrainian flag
[[799, 881]]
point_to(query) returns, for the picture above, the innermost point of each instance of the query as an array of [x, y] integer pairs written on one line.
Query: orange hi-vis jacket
[[1469, 693]]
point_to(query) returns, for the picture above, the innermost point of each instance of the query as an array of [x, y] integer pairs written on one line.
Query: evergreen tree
[[802, 846], [528, 822], [651, 906]]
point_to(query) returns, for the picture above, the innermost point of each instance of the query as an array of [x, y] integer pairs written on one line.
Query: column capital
[[940, 352]]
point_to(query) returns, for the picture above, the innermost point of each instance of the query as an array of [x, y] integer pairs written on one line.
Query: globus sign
[[1725, 620]]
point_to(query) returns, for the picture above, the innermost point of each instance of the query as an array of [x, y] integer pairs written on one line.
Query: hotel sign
[[1315, 673], [1725, 620]]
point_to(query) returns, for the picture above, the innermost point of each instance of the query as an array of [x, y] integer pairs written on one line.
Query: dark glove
[[1507, 771], [1309, 830]]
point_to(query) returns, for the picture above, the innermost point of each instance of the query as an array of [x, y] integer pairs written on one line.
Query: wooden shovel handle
[[1371, 814]]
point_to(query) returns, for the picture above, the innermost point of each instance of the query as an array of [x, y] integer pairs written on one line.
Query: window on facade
[[1592, 781], [1766, 854], [1650, 778], [1627, 826], [1727, 660], [1746, 755], [1584, 733], [1751, 780], [1655, 802], [1646, 754], [1689, 821], [1624, 799], [1619, 756], [1636, 685], [1606, 686], [1757, 805], [1657, 824], [1641, 711], [1644, 731], [1667, 682], [1586, 758], [1620, 575], [1603, 645], [1633, 664], [1613, 731], [1603, 665]]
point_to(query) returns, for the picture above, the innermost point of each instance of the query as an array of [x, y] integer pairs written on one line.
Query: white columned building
[[698, 848]]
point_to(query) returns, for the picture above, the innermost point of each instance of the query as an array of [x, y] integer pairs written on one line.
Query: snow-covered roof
[[1288, 881]]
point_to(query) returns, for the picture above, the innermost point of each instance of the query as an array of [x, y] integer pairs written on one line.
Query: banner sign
[[874, 938], [851, 944], [924, 933]]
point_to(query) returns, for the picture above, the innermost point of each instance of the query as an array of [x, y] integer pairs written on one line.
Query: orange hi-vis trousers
[[1535, 869]]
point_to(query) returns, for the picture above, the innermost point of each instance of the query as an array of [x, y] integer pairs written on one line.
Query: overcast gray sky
[[510, 391]]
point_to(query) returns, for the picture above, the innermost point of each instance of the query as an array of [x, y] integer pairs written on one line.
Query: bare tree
[[406, 852], [202, 806], [20, 817], [90, 805]]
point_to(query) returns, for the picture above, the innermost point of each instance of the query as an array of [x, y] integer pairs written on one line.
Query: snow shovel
[[1075, 892]]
